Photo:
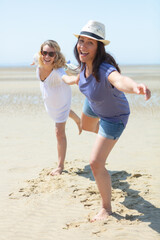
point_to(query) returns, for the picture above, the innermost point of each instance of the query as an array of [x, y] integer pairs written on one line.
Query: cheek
[[94, 52]]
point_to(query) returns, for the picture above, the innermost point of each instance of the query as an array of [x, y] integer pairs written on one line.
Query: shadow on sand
[[132, 200]]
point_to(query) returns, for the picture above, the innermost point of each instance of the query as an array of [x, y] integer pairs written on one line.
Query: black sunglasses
[[45, 53]]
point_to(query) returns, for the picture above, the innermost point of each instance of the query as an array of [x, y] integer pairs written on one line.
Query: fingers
[[77, 80], [148, 94], [142, 89]]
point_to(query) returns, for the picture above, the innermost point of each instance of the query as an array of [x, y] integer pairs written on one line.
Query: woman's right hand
[[77, 79]]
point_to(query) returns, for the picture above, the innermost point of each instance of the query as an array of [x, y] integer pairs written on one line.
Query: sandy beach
[[37, 206]]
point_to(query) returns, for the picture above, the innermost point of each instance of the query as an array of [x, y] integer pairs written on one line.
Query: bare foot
[[56, 171], [102, 215]]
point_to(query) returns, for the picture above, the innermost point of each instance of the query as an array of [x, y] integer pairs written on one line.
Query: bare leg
[[100, 152], [77, 120], [61, 147]]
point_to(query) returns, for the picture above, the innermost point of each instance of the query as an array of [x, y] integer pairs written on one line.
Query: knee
[[95, 166], [60, 134], [85, 127]]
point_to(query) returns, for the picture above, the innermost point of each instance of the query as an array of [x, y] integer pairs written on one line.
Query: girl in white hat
[[106, 109], [56, 94]]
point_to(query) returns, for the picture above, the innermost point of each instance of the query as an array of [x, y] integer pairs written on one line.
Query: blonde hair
[[59, 60]]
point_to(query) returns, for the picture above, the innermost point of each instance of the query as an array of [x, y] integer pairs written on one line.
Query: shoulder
[[39, 69], [57, 74], [106, 68], [60, 71], [38, 72]]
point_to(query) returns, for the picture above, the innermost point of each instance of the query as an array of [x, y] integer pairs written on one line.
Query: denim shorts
[[107, 129]]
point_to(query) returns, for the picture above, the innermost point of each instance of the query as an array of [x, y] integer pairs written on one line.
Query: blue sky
[[133, 27]]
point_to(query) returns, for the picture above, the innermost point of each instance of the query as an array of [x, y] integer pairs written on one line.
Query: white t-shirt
[[56, 95]]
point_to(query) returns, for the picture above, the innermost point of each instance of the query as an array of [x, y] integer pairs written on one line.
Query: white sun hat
[[94, 30]]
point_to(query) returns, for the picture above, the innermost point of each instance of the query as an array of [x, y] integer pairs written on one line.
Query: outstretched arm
[[33, 63], [70, 80], [127, 85], [35, 59]]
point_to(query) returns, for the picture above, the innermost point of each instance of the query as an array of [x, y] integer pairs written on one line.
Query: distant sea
[[13, 93]]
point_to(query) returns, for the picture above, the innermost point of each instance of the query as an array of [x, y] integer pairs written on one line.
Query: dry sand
[[36, 206]]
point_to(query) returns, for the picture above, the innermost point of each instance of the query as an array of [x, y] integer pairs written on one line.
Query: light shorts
[[107, 129]]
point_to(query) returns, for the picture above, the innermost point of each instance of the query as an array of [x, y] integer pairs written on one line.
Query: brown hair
[[101, 56], [59, 59]]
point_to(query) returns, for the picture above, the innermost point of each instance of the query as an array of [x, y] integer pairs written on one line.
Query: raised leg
[[90, 124], [77, 120]]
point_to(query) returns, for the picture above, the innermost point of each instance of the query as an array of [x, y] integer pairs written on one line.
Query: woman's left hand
[[142, 89]]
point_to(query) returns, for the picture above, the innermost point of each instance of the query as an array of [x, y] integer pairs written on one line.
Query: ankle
[[107, 210]]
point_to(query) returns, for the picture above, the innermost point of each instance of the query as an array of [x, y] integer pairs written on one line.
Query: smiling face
[[87, 49], [46, 59]]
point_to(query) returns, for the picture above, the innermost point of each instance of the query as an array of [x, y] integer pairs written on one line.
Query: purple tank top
[[106, 101]]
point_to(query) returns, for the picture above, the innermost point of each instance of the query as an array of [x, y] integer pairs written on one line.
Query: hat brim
[[105, 42]]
